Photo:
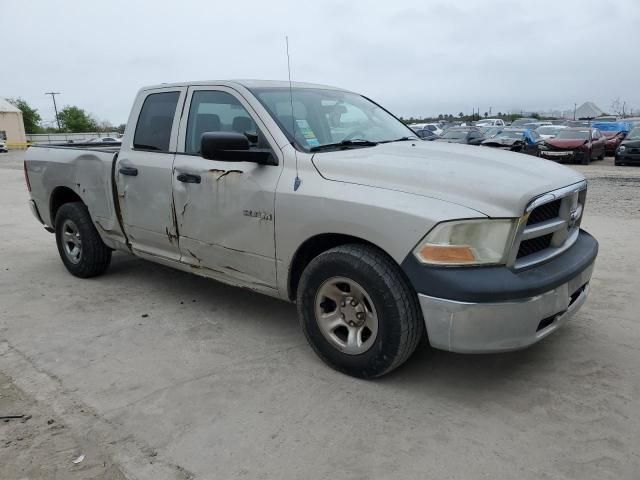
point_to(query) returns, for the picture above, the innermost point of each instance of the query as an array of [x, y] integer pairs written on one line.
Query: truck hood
[[493, 182]]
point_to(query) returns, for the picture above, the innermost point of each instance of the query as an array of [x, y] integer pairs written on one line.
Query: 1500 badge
[[258, 214]]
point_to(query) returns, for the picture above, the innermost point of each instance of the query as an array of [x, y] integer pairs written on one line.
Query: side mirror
[[233, 147]]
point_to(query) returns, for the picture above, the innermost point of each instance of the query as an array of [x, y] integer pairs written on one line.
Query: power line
[[55, 107]]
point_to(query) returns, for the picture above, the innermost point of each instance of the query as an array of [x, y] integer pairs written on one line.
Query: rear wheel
[[81, 249], [358, 312]]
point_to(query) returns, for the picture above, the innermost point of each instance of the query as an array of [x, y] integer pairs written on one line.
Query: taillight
[[26, 176]]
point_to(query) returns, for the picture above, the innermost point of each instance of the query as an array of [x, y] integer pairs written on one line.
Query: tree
[[486, 114], [461, 114], [75, 119], [30, 115], [121, 128], [618, 107]]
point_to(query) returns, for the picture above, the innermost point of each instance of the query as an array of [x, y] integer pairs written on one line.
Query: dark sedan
[[575, 145], [520, 140], [468, 135], [628, 152]]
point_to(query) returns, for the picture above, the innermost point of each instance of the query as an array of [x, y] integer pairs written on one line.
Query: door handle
[[188, 178], [131, 171]]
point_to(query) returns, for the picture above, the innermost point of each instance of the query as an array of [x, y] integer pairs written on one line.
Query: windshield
[[573, 135], [454, 134], [548, 130], [324, 117], [634, 134], [510, 134]]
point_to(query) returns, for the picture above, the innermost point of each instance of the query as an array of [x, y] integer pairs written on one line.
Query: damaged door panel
[[215, 231], [143, 175]]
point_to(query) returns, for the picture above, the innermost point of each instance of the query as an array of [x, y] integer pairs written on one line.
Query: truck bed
[[76, 170]]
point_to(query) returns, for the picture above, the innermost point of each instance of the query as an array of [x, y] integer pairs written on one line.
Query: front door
[[143, 174], [225, 210]]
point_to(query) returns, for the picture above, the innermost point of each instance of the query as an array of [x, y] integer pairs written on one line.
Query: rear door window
[[153, 131]]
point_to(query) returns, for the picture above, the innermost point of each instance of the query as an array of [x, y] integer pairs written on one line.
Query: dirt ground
[[156, 374]]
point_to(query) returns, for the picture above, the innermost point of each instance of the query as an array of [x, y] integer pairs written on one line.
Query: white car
[[490, 122], [433, 127], [3, 146], [549, 131]]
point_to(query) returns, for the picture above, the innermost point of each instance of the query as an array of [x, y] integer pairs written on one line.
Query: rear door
[[225, 210], [144, 170]]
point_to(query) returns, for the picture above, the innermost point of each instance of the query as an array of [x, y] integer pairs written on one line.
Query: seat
[[242, 125], [205, 122]]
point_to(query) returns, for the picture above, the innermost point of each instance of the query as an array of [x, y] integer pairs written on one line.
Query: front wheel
[[358, 312], [81, 249]]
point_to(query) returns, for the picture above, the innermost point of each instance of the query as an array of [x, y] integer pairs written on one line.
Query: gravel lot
[[156, 374]]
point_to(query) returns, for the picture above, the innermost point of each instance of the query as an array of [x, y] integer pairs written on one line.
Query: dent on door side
[[215, 230]]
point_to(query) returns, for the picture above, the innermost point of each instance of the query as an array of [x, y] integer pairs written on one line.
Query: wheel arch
[[311, 248], [59, 197]]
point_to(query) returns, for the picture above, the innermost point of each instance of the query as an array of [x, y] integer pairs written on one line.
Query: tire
[[601, 157], [387, 297], [586, 159], [81, 249]]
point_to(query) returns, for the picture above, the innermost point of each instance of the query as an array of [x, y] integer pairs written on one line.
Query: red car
[[575, 145]]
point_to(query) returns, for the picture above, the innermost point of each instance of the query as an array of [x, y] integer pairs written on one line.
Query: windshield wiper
[[401, 139], [344, 144]]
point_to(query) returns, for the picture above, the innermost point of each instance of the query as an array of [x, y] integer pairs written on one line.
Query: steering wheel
[[354, 134]]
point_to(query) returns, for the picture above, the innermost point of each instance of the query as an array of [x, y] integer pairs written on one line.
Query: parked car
[[3, 146], [628, 152], [221, 180], [520, 140], [490, 132], [575, 145], [427, 126], [467, 135], [519, 122], [490, 122], [549, 131], [535, 125], [615, 132], [425, 133]]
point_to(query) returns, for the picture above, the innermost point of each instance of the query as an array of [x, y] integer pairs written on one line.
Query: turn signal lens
[[447, 254]]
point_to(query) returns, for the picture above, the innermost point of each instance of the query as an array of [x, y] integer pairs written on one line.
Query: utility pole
[[575, 105], [55, 107]]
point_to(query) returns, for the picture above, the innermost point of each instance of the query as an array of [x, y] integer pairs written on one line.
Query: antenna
[[297, 181]]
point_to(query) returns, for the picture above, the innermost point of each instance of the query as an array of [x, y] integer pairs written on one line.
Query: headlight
[[467, 242], [621, 148]]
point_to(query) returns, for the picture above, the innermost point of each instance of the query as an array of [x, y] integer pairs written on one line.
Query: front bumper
[[571, 156], [630, 158], [502, 326], [496, 309]]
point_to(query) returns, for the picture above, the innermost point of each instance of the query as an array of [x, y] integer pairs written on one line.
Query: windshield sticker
[[308, 134]]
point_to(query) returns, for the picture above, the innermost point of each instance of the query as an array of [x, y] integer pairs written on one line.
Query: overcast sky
[[417, 58]]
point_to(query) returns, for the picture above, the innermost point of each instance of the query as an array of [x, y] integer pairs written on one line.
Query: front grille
[[534, 245], [552, 226], [544, 212]]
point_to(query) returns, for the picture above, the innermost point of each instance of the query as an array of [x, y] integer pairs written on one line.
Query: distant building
[[11, 123], [588, 111]]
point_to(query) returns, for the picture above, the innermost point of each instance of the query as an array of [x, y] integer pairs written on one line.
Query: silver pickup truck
[[319, 196]]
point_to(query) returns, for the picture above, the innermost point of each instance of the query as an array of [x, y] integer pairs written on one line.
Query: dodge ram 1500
[[319, 196]]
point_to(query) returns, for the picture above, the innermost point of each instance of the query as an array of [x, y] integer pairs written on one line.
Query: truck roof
[[247, 83]]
